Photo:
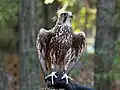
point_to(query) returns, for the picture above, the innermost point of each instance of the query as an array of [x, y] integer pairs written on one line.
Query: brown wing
[[43, 38], [78, 47]]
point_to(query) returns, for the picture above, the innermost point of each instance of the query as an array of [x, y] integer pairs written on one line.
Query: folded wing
[[42, 41], [78, 47]]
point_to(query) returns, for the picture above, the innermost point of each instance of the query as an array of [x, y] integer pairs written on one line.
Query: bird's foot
[[66, 77], [52, 75]]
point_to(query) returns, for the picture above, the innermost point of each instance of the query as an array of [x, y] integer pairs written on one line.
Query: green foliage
[[117, 53], [8, 12], [8, 20], [7, 40], [79, 9], [48, 1], [84, 19]]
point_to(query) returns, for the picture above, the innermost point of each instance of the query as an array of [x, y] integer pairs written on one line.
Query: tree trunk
[[3, 76], [29, 63], [117, 29], [104, 45], [49, 11], [46, 15], [86, 17], [117, 37]]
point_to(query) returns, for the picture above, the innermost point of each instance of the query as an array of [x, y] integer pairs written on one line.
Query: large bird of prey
[[60, 48]]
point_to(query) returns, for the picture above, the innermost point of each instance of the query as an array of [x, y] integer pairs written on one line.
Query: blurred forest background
[[20, 21]]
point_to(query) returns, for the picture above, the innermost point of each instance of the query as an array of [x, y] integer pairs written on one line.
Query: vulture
[[60, 48]]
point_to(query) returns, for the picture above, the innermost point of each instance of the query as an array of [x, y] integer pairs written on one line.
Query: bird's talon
[[66, 77], [52, 75]]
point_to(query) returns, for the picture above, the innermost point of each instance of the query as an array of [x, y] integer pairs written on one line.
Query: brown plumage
[[60, 48]]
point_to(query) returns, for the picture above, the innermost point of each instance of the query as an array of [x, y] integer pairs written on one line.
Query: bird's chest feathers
[[64, 35]]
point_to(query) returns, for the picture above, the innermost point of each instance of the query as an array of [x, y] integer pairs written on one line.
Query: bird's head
[[64, 17]]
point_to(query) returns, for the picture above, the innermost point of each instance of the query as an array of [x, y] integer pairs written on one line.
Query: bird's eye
[[63, 14]]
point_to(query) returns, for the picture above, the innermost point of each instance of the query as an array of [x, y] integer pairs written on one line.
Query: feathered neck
[[63, 28]]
